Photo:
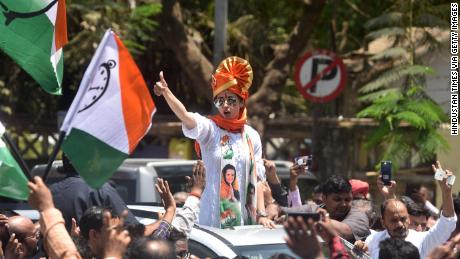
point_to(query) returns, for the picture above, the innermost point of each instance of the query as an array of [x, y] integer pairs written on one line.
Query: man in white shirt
[[395, 219]]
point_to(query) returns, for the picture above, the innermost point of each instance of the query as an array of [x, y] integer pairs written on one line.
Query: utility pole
[[220, 31]]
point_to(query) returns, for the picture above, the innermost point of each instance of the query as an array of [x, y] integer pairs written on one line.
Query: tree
[[408, 118]]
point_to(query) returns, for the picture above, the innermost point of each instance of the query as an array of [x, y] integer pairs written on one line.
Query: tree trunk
[[197, 67], [267, 98]]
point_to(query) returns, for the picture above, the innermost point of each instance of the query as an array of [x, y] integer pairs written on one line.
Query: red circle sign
[[320, 76]]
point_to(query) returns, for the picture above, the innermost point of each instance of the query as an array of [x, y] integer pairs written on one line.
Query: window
[[200, 250], [175, 175]]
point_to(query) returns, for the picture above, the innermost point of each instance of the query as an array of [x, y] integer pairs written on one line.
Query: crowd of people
[[95, 225], [233, 186]]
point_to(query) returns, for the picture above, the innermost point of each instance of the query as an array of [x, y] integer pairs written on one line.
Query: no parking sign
[[320, 76]]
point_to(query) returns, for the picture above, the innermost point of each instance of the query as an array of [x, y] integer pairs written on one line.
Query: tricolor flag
[[32, 33], [110, 114], [13, 182]]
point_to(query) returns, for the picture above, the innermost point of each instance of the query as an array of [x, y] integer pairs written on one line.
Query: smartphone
[[306, 215], [304, 160], [385, 172]]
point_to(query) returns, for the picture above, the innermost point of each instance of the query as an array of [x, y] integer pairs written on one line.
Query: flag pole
[[17, 156], [53, 155]]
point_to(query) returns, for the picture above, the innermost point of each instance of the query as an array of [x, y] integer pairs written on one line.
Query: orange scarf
[[231, 125]]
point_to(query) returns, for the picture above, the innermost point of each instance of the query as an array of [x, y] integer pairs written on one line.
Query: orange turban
[[233, 74]]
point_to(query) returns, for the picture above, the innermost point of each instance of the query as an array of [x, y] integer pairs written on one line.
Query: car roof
[[130, 164], [247, 235]]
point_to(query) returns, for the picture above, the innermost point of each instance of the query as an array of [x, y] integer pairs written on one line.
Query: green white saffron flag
[[110, 114], [13, 182], [32, 33]]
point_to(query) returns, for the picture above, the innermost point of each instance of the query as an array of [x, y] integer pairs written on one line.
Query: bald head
[[149, 248], [395, 218], [25, 231], [180, 197], [20, 225], [392, 205]]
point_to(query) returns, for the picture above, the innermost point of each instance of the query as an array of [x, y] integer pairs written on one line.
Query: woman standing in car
[[223, 139]]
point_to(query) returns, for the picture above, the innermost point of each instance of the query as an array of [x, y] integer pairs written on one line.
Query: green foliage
[[395, 74], [408, 118], [141, 27], [380, 94]]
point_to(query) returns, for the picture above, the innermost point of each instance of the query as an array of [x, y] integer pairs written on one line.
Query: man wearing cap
[[225, 139], [359, 189]]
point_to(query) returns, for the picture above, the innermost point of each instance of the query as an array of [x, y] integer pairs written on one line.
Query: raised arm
[[446, 190], [441, 231], [57, 241], [387, 191], [169, 203], [155, 229], [161, 88]]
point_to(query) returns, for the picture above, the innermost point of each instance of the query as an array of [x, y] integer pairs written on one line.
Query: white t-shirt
[[424, 241], [207, 133]]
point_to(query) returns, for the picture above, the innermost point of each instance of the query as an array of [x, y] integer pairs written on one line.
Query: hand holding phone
[[385, 172], [440, 174], [304, 160]]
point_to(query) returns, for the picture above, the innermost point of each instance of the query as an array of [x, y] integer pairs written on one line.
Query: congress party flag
[[32, 33], [110, 114], [13, 182]]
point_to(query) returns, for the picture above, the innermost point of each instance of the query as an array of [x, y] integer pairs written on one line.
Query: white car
[[251, 241], [134, 179]]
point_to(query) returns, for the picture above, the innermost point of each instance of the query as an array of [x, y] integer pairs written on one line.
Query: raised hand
[[168, 200], [162, 187], [198, 179], [14, 249], [114, 237], [443, 184], [295, 171], [446, 190], [40, 196], [270, 171], [324, 227], [387, 191], [302, 238], [75, 230], [160, 86]]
